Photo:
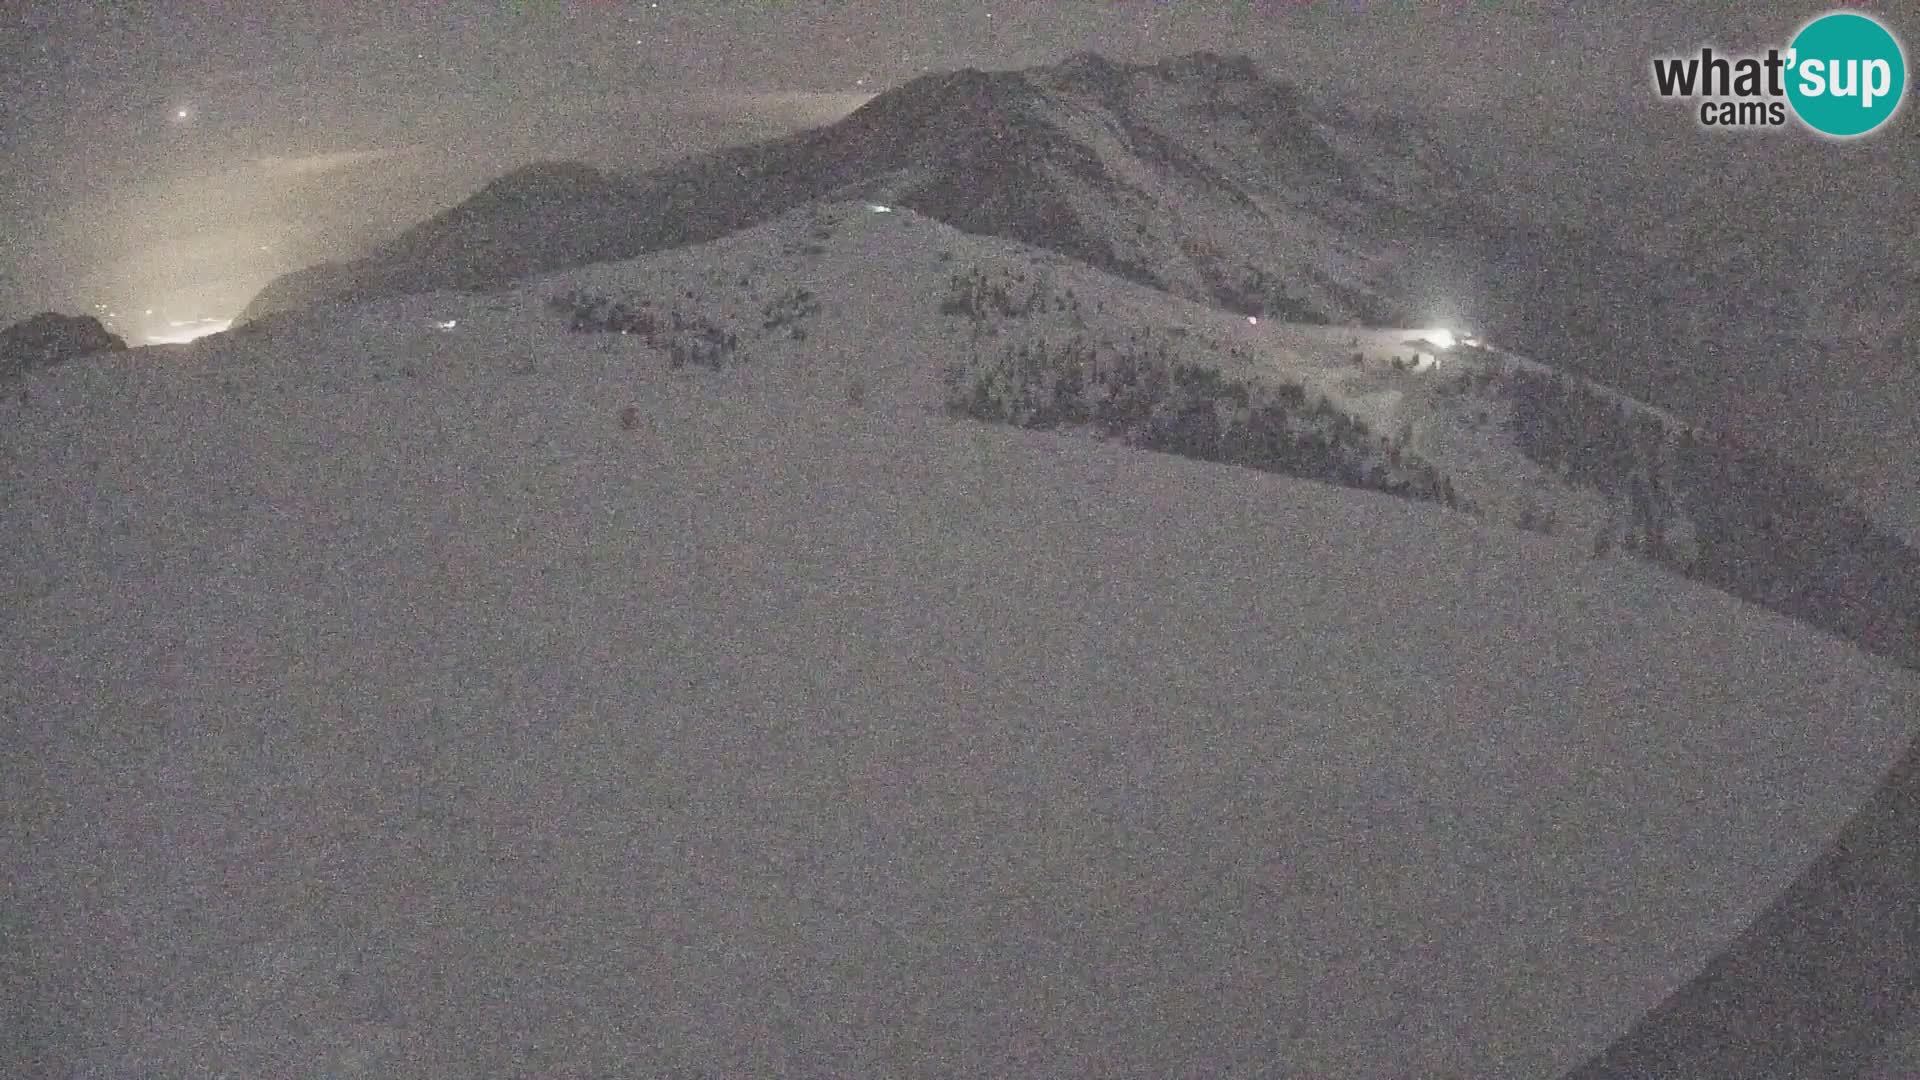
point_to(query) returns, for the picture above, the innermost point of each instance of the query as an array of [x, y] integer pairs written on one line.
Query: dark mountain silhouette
[[1816, 984], [51, 338], [546, 215]]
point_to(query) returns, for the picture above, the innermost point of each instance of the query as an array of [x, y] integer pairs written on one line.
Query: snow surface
[[1899, 1058], [881, 282], [378, 704]]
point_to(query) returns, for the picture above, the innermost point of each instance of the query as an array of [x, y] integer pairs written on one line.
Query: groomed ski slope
[[366, 723]]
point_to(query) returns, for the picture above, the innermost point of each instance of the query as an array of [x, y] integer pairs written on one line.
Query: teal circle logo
[[1846, 74]]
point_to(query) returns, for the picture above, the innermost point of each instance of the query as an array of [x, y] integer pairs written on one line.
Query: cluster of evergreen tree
[[1761, 529], [602, 315], [981, 295], [1772, 534], [1252, 291], [686, 339], [1138, 393], [788, 309], [1594, 441]]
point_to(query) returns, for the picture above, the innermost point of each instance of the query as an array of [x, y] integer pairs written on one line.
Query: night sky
[[175, 155]]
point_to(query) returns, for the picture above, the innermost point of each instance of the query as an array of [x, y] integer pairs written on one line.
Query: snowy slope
[[379, 703], [1900, 1056], [881, 285], [837, 288]]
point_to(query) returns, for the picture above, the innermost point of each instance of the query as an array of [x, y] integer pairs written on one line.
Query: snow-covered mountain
[[639, 670], [1197, 175], [1201, 178], [1005, 332]]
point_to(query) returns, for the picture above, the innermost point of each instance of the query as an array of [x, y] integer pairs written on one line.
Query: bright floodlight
[[1439, 336]]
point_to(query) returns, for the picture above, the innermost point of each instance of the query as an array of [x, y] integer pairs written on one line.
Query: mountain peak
[[1210, 65], [966, 87], [1203, 67], [1087, 63], [1086, 58]]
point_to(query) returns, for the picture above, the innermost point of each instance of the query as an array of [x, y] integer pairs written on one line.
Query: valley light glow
[[179, 332]]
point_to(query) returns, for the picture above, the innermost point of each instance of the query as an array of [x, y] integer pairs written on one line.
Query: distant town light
[[1253, 320], [878, 209], [1439, 336], [448, 325]]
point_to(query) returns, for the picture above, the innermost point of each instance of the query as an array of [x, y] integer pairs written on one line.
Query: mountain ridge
[[1195, 174], [983, 151], [1006, 332]]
